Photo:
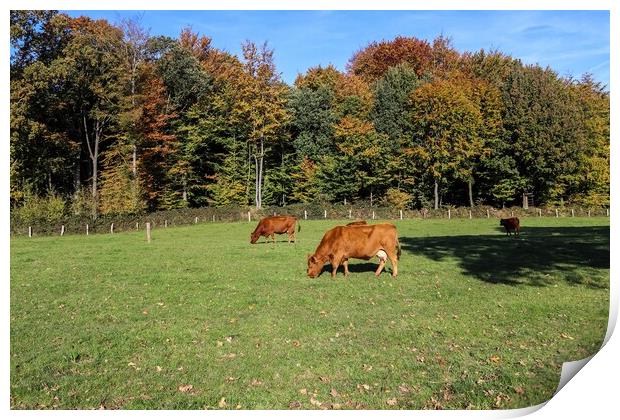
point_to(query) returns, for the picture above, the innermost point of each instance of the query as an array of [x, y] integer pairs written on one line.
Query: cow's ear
[[311, 258]]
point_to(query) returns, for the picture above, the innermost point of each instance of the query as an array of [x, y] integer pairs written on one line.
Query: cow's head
[[314, 266], [254, 237], [502, 222]]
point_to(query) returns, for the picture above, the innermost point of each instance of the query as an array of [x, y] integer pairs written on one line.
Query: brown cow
[[511, 224], [357, 241], [357, 222], [269, 226]]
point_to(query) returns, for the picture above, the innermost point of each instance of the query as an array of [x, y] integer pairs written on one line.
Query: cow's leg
[[345, 263], [335, 262], [394, 260], [273, 237], [380, 268]]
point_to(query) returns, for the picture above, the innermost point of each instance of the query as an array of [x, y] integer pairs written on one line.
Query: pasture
[[199, 318]]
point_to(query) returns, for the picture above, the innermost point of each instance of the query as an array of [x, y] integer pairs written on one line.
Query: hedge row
[[179, 217]]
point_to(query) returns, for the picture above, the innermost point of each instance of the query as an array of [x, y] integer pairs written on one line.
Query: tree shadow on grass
[[539, 256]]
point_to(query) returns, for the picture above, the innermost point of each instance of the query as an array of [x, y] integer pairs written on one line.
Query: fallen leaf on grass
[[404, 389], [519, 390], [315, 402], [366, 367], [392, 401], [495, 359], [499, 400], [334, 393], [296, 343], [363, 387], [219, 343], [229, 339], [186, 388], [303, 391], [324, 379], [159, 369], [231, 379], [256, 382], [294, 404], [222, 403], [564, 335]]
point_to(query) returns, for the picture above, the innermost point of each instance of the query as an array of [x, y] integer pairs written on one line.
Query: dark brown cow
[[269, 226], [357, 222], [356, 241], [511, 224]]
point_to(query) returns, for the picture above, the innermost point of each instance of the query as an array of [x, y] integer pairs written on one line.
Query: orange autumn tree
[[157, 142], [372, 62]]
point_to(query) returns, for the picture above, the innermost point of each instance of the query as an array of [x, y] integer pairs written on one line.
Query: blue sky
[[570, 42]]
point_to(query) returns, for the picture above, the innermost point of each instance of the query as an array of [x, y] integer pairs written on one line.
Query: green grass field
[[199, 318]]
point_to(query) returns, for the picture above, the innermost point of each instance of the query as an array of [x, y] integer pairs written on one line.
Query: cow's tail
[[397, 249], [298, 226]]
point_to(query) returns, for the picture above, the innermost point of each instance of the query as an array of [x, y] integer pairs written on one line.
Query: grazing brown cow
[[357, 241], [269, 226], [511, 224], [357, 222]]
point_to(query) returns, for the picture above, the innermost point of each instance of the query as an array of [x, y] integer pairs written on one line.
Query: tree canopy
[[114, 120]]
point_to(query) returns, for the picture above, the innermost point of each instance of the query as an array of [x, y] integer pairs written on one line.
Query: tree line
[[108, 119]]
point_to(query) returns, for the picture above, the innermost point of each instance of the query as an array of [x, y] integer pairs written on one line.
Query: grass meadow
[[199, 318]]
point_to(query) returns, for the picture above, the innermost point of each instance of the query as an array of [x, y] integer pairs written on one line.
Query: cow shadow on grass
[[357, 267], [539, 256]]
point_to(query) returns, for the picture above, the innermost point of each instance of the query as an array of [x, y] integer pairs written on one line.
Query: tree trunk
[[93, 151], [256, 181], [134, 154], [436, 194], [260, 173], [470, 192]]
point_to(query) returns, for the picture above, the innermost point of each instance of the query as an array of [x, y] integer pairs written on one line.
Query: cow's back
[[358, 241], [278, 224]]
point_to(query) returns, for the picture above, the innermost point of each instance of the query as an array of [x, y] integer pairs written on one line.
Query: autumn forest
[[107, 119]]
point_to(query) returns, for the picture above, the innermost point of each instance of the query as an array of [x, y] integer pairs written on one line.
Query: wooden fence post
[[196, 220], [148, 232], [556, 213], [539, 213], [62, 230], [111, 227], [249, 217], [449, 215], [137, 225], [86, 229], [373, 215], [214, 217], [401, 214], [588, 213], [470, 214], [324, 214], [512, 213], [305, 215], [607, 212], [349, 213], [30, 231], [488, 215], [165, 223], [572, 212]]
